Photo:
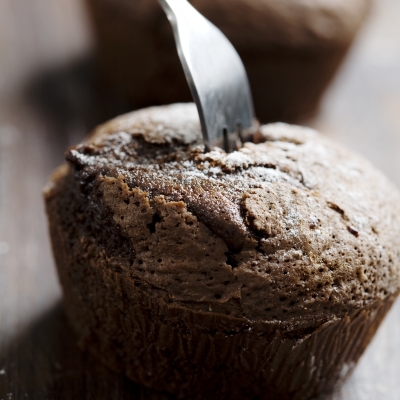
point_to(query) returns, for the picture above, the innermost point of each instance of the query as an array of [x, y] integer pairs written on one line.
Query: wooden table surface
[[49, 99]]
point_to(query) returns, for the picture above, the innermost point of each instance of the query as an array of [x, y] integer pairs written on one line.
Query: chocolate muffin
[[263, 273], [291, 49]]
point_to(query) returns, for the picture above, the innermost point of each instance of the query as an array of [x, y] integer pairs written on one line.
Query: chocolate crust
[[262, 256]]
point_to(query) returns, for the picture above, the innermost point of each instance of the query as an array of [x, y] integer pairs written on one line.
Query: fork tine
[[215, 74]]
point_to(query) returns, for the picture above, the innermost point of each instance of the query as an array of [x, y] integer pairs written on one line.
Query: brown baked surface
[[281, 253]]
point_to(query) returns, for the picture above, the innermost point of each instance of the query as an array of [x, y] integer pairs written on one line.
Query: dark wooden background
[[49, 99]]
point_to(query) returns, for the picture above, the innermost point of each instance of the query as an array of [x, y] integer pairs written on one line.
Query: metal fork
[[215, 74]]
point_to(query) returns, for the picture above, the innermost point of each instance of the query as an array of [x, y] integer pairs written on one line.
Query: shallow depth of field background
[[49, 99]]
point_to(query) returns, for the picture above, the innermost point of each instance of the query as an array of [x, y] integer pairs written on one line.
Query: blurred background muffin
[[291, 49]]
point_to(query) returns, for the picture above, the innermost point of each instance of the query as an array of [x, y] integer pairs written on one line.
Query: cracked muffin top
[[290, 228]]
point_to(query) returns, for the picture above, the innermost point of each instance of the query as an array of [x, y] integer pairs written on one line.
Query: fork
[[215, 74]]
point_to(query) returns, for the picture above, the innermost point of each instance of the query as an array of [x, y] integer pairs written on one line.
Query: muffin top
[[260, 22], [289, 228]]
